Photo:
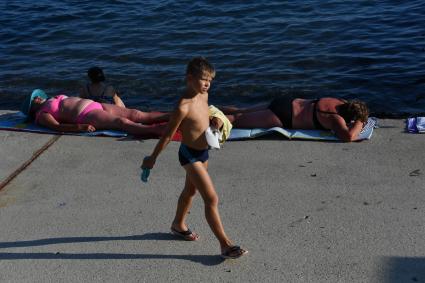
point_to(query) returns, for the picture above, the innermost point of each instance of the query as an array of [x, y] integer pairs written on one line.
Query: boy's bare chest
[[198, 115]]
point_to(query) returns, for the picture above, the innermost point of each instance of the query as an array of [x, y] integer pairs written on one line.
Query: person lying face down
[[74, 114], [345, 118]]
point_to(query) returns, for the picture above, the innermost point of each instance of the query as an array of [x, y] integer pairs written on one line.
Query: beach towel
[[415, 125], [227, 126], [238, 134], [15, 121]]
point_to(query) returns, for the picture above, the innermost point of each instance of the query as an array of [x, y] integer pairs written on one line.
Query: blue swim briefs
[[189, 155]]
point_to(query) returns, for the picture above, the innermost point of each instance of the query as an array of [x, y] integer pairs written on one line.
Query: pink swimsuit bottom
[[92, 106]]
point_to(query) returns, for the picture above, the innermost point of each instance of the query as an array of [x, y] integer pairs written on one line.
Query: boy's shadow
[[203, 259]]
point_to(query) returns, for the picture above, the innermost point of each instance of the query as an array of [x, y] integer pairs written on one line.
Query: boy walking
[[191, 116]]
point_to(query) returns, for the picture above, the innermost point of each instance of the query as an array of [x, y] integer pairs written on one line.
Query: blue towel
[[415, 125], [16, 121]]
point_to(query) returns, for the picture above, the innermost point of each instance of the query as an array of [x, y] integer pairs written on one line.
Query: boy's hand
[[148, 162], [216, 123]]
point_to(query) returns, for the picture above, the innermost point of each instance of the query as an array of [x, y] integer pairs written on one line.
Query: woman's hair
[[199, 66], [96, 75], [354, 110], [33, 112]]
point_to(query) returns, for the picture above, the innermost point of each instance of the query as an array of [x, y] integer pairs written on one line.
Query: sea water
[[369, 50]]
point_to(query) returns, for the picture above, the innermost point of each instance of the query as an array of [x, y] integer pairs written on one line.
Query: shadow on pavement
[[404, 269], [209, 260], [53, 241], [202, 259]]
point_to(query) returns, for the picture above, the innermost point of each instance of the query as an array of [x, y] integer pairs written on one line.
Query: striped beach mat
[[238, 134]]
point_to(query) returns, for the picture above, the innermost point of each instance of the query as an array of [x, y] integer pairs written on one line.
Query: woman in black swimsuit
[[98, 91], [345, 118]]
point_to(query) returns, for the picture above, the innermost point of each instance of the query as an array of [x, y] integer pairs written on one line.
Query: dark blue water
[[370, 50]]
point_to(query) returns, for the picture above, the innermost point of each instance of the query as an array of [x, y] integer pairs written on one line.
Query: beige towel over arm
[[227, 126]]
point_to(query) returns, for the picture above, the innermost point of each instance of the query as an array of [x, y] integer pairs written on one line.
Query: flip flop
[[187, 235], [233, 252]]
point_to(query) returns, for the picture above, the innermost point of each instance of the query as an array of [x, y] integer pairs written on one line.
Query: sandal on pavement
[[233, 252], [187, 235]]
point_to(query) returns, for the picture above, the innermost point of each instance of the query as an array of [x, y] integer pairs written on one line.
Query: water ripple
[[371, 50]]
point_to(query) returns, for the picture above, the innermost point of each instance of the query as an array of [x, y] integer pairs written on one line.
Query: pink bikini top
[[51, 106]]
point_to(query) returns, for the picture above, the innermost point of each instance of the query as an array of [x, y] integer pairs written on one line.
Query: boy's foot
[[233, 252], [187, 235]]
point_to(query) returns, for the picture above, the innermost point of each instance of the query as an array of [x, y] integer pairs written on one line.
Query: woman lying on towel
[[74, 114], [344, 118]]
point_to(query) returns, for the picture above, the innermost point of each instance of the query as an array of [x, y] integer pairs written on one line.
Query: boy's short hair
[[198, 66], [96, 74]]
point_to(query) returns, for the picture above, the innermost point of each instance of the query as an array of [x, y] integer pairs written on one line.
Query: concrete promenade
[[307, 211]]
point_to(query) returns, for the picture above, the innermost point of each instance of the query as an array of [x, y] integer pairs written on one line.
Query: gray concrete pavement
[[16, 148], [306, 211]]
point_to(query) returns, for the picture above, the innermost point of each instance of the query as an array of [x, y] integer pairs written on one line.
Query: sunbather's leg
[[234, 110], [136, 115], [103, 120]]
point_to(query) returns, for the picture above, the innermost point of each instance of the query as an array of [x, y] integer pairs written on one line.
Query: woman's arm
[[117, 100], [110, 91], [48, 121], [344, 132]]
